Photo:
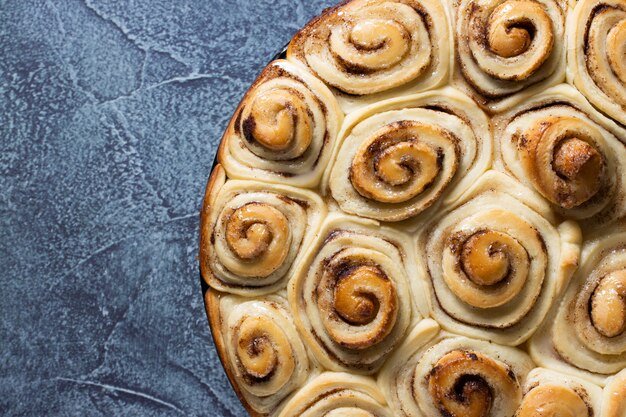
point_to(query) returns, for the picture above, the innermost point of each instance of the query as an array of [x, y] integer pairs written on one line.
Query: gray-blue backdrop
[[110, 113]]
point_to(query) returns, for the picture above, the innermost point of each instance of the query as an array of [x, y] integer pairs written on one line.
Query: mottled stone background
[[110, 113]]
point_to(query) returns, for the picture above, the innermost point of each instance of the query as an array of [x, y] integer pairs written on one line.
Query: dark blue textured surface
[[110, 113]]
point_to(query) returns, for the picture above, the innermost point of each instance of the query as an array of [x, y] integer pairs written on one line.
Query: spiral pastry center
[[608, 304], [485, 259], [355, 299], [362, 306], [564, 160], [465, 384], [575, 158], [261, 347], [510, 30], [487, 268], [375, 44], [372, 46], [552, 401], [509, 41], [278, 125], [255, 351], [258, 233], [400, 161]]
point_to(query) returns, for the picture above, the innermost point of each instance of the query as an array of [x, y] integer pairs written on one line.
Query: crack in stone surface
[[137, 42], [122, 390]]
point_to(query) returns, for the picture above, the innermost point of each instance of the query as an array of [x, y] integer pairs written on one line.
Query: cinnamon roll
[[369, 50], [350, 295], [265, 359], [412, 211], [509, 49], [559, 145], [548, 393], [252, 233], [614, 398], [496, 261], [338, 394], [439, 374], [405, 155], [283, 130], [586, 334], [597, 54]]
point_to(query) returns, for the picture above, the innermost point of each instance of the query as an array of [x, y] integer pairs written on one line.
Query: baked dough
[[508, 50], [284, 129], [252, 233], [596, 62], [496, 261], [555, 394], [438, 373], [369, 50], [351, 294], [398, 158], [585, 332], [556, 143], [419, 210]]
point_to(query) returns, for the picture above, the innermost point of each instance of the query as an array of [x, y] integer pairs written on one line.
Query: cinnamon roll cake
[[419, 210]]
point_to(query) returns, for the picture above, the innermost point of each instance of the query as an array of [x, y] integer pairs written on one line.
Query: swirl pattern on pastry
[[258, 340], [403, 156], [283, 130], [559, 145], [587, 333], [614, 397], [506, 47], [371, 46], [432, 166], [548, 393], [338, 394], [496, 262], [597, 54], [439, 374], [351, 295], [252, 233]]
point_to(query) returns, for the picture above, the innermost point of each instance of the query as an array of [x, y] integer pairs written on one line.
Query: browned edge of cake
[[212, 297]]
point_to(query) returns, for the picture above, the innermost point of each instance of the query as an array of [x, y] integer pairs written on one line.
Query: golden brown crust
[[253, 232], [215, 183], [310, 27], [212, 306], [221, 150], [211, 296], [260, 349], [294, 101]]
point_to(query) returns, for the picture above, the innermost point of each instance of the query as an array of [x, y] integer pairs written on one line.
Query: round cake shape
[[409, 166]]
